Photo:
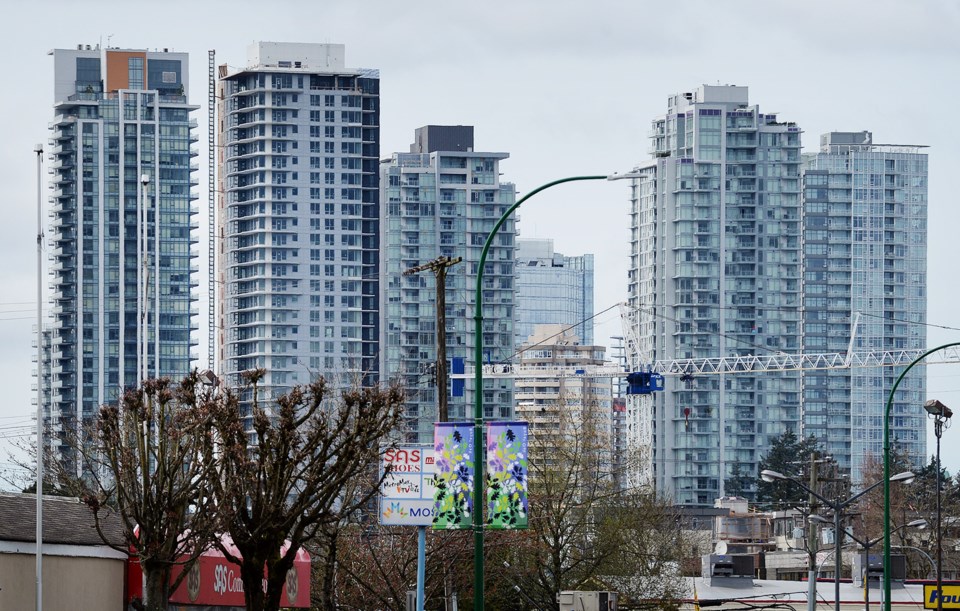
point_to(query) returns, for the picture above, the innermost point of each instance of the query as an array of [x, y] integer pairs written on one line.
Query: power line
[[561, 332], [713, 333], [911, 322]]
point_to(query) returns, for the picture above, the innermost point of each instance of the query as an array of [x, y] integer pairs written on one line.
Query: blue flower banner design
[[506, 475], [454, 469]]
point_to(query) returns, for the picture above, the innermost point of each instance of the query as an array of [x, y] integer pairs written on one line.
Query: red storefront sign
[[214, 581]]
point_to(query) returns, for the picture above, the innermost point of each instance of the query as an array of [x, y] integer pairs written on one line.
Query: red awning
[[215, 581]]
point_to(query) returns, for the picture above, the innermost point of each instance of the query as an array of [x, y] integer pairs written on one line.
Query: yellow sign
[[951, 597]]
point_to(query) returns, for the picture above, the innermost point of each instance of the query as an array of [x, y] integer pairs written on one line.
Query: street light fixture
[[918, 524], [837, 506], [941, 415], [478, 445]]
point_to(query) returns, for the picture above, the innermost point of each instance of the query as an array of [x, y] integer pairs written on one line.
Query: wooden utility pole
[[439, 268]]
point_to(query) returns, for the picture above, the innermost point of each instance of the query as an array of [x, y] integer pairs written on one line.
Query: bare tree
[[377, 565], [149, 458], [908, 503], [586, 531], [569, 485], [651, 547], [282, 472]]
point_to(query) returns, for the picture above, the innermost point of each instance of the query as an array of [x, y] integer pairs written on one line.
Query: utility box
[[870, 568], [728, 570], [587, 601]]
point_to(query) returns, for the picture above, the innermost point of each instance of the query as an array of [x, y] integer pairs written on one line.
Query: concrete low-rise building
[[79, 570]]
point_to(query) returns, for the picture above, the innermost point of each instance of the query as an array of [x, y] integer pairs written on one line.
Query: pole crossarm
[[433, 266], [439, 267]]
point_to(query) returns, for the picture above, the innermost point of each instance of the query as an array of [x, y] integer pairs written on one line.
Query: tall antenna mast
[[211, 208], [38, 149]]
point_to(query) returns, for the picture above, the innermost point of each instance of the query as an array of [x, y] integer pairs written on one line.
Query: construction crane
[[751, 363], [724, 364], [644, 378]]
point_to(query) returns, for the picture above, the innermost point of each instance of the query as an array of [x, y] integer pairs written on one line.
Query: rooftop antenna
[[38, 149]]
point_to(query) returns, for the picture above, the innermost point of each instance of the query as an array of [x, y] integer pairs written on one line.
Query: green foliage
[[50, 488], [788, 454], [740, 483]]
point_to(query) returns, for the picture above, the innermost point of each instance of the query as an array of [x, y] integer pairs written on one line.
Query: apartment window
[[135, 72]]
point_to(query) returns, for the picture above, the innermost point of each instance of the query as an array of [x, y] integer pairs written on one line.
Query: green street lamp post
[[886, 471], [479, 467]]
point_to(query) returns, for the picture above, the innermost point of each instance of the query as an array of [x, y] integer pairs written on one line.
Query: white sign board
[[406, 496]]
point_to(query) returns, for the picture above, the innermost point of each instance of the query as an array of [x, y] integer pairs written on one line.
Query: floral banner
[[506, 475], [453, 465]]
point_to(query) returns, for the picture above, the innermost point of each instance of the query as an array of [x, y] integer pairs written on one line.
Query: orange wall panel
[[118, 72]]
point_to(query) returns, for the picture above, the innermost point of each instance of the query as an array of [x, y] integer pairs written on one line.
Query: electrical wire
[[911, 322], [559, 333], [713, 333]]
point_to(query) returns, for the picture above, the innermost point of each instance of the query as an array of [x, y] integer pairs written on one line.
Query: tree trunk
[[275, 585], [156, 594], [328, 571], [251, 573]]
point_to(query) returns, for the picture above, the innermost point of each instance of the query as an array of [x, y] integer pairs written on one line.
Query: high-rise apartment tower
[[298, 216], [122, 241], [553, 288], [865, 235], [715, 271], [443, 199]]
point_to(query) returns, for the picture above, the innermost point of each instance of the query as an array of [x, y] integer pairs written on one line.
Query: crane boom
[[726, 364]]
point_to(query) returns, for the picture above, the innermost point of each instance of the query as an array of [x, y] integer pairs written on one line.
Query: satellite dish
[[721, 548]]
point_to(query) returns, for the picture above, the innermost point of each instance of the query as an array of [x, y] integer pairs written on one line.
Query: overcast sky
[[565, 87]]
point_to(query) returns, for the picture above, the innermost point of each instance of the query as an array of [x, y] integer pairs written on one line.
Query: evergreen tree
[[788, 454]]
